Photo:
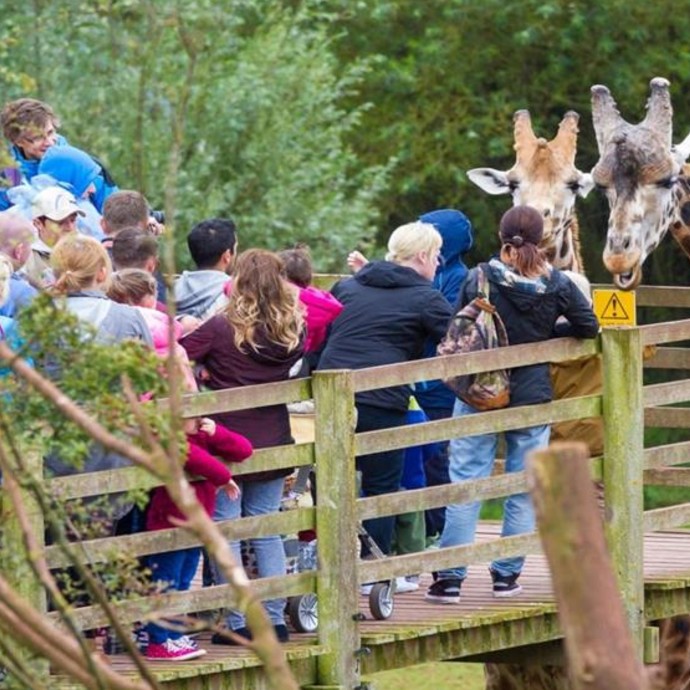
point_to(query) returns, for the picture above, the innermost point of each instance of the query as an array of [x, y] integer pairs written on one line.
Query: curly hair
[[26, 115], [262, 301]]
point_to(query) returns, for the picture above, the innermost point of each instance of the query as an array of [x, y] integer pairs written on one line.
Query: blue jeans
[[256, 498], [472, 457], [177, 569]]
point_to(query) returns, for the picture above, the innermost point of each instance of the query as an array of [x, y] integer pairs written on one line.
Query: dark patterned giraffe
[[644, 179], [545, 177]]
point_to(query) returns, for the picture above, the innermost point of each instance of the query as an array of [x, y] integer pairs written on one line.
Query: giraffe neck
[[564, 252]]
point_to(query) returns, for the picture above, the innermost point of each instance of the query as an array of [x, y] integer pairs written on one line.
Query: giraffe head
[[638, 169], [544, 176]]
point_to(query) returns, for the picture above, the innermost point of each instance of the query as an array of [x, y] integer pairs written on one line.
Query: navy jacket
[[531, 318], [389, 312]]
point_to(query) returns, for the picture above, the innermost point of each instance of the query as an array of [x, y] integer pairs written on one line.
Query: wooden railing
[[625, 405]]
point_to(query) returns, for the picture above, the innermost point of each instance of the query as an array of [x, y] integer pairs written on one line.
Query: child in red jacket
[[205, 438]]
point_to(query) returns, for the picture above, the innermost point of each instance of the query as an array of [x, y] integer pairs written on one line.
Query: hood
[[455, 229], [523, 296], [72, 168], [197, 291], [386, 274]]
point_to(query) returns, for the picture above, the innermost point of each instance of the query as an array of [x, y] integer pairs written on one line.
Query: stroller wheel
[[303, 612], [381, 600]]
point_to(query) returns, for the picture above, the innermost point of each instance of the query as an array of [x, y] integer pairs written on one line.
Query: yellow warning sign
[[615, 307]]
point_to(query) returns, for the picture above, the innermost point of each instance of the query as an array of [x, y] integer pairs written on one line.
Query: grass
[[439, 675]]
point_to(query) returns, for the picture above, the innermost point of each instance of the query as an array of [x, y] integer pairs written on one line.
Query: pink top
[[159, 325]]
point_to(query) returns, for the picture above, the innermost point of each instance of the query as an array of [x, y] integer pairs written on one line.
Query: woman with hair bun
[[530, 296]]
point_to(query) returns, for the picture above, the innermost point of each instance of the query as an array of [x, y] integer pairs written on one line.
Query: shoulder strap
[[482, 282]]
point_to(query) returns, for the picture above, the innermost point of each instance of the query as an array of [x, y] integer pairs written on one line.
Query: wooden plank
[[668, 477], [667, 417], [480, 423], [556, 350], [115, 481], [667, 393], [669, 454], [246, 397], [438, 496], [174, 539], [666, 518], [666, 332], [669, 358]]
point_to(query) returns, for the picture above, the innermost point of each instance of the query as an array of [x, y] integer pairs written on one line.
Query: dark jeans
[[436, 470], [177, 570], [381, 472]]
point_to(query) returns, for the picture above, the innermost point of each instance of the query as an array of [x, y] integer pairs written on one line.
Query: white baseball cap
[[54, 203]]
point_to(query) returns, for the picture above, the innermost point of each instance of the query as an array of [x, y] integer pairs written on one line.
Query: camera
[[158, 216]]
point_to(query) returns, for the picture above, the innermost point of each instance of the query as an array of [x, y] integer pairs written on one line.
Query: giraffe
[[544, 176], [644, 179]]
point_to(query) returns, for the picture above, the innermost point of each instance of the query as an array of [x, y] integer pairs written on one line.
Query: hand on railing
[[356, 260], [231, 489]]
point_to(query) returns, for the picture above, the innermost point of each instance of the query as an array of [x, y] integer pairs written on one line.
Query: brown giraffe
[[545, 177], [643, 177]]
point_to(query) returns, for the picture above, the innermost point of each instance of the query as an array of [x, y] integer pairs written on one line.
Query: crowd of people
[[254, 317]]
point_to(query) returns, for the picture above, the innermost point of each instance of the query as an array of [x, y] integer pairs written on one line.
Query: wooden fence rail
[[626, 405]]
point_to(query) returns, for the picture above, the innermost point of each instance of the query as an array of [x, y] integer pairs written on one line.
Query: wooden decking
[[419, 631]]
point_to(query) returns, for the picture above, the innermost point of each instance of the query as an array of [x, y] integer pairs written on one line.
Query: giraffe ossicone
[[644, 179], [545, 177]]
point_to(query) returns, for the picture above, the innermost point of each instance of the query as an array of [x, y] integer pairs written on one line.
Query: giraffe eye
[[574, 186], [667, 182], [513, 185]]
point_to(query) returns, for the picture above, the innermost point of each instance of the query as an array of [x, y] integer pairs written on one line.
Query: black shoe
[[218, 638], [281, 632], [445, 591], [505, 585]]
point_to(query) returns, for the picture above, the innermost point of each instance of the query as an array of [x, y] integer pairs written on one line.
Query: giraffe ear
[[491, 181]]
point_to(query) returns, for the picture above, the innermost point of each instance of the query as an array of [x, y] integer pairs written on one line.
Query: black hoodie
[[389, 312]]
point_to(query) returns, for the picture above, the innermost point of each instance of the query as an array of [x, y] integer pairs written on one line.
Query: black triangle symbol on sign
[[614, 310]]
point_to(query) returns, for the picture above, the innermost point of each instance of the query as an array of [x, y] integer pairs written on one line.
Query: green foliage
[[211, 111]]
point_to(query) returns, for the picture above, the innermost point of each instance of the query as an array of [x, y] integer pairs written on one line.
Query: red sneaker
[[171, 652]]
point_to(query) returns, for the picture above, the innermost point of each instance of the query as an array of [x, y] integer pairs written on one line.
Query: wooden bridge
[[650, 551]]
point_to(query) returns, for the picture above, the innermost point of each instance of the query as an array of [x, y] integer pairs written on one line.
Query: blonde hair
[[409, 240], [262, 301], [76, 261], [131, 286], [6, 270]]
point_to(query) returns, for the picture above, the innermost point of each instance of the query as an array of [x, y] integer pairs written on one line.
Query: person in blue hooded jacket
[[30, 126], [435, 398]]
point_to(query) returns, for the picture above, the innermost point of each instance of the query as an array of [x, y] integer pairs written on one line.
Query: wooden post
[[623, 413], [337, 588], [13, 557], [602, 654]]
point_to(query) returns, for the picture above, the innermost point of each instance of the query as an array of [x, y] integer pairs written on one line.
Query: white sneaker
[[402, 585]]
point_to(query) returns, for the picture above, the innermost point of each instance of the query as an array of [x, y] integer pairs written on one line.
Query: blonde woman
[[390, 311], [256, 339], [82, 272]]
